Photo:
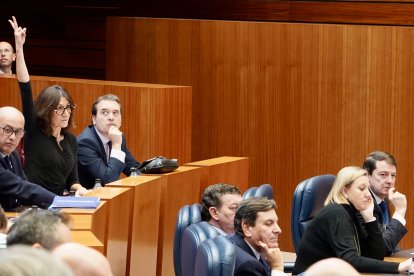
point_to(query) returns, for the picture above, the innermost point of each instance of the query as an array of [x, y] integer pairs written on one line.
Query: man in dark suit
[[102, 150], [15, 190], [256, 239], [382, 170]]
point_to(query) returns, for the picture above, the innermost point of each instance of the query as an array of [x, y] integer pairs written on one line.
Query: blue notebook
[[84, 202]]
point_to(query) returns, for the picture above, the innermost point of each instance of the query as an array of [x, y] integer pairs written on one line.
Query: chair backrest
[[187, 215], [264, 190], [308, 199], [216, 257], [191, 238]]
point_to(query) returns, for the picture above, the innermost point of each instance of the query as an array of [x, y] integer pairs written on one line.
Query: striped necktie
[[8, 163]]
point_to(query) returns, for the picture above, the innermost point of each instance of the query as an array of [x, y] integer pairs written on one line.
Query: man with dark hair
[[102, 150], [218, 206], [382, 171], [7, 57], [40, 228], [256, 238], [15, 190]]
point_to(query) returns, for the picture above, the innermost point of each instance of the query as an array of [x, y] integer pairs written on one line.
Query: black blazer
[[246, 262], [15, 190], [92, 160]]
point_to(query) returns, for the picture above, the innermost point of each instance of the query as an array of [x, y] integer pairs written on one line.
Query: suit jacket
[[392, 233], [246, 262], [93, 163], [15, 190]]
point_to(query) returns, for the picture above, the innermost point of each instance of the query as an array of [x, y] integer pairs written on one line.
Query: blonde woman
[[346, 228]]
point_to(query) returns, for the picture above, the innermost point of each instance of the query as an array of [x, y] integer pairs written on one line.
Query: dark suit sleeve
[[250, 268], [393, 233], [14, 186], [92, 162]]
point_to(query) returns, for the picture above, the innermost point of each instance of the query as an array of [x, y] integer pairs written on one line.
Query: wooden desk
[[179, 188], [87, 238], [120, 202], [143, 243], [225, 169], [94, 220]]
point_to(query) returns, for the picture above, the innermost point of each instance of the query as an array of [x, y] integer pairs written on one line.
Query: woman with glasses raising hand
[[51, 150]]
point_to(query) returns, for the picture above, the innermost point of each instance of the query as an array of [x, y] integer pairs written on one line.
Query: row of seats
[[200, 250]]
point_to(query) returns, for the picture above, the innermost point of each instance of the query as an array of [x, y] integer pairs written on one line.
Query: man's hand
[[398, 200], [19, 33], [273, 256], [368, 213], [115, 135]]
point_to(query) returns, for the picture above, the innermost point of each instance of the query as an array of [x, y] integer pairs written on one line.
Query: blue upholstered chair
[[264, 190], [308, 199], [191, 238], [187, 215], [215, 257]]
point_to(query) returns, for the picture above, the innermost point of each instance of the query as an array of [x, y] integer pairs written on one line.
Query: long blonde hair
[[345, 178]]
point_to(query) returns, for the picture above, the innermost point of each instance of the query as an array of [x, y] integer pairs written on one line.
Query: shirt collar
[[256, 254], [221, 232], [104, 139], [378, 200]]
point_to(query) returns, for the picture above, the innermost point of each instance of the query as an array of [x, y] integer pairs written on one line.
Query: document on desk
[[83, 202]]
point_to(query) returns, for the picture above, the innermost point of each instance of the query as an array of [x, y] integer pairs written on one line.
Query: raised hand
[[19, 32]]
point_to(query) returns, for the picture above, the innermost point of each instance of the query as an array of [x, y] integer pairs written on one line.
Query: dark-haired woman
[[50, 149]]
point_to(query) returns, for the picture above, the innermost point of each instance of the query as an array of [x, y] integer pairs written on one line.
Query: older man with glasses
[[15, 190]]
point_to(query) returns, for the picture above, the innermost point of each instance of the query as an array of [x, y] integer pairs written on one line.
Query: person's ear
[[14, 56], [246, 229], [345, 192], [213, 213], [94, 119]]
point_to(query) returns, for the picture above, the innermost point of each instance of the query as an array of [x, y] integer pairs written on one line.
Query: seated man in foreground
[[40, 228], [256, 239], [15, 190], [102, 150]]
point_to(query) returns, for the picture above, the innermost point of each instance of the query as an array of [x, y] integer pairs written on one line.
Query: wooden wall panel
[[156, 118], [297, 99]]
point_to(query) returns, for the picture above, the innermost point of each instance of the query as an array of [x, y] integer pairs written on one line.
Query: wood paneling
[[297, 99], [156, 118]]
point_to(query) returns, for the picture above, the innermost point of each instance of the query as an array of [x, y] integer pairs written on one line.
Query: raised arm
[[20, 37]]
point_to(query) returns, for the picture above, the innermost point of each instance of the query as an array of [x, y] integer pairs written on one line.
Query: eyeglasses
[[5, 51], [9, 131], [61, 109]]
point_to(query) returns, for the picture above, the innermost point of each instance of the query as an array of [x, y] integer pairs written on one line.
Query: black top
[[337, 232], [46, 164]]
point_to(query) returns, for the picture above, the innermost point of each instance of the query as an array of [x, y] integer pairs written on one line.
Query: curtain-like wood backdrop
[[298, 99]]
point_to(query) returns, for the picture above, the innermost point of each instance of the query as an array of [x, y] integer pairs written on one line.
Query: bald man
[[7, 57], [83, 260], [15, 190], [331, 266]]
